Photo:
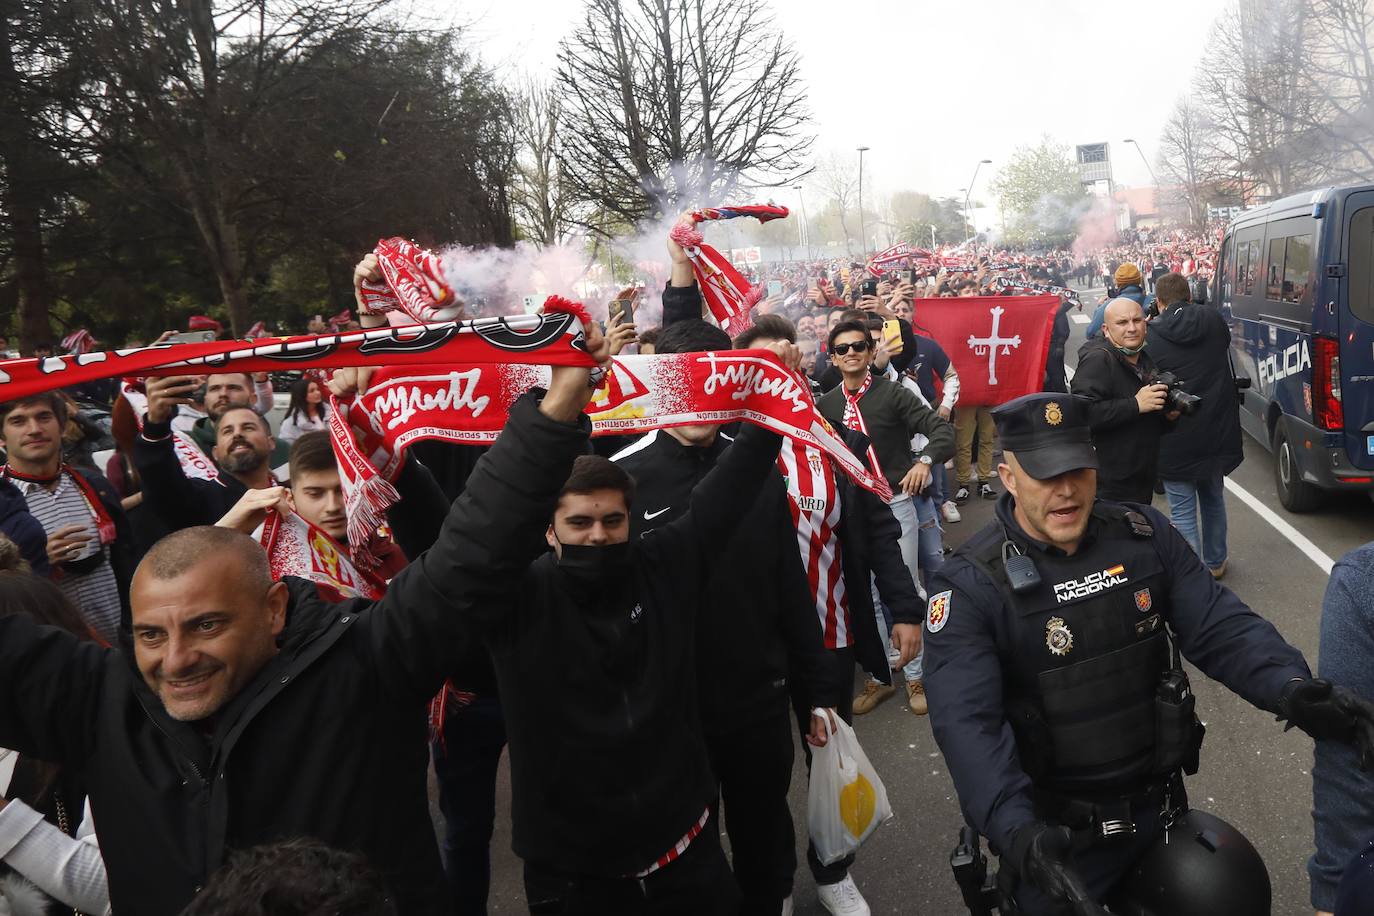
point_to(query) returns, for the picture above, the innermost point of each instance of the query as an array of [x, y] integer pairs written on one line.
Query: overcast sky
[[933, 87]]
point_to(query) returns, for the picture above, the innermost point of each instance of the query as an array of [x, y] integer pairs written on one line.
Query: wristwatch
[[925, 459]]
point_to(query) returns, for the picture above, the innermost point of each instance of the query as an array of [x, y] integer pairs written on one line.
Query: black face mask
[[591, 563]]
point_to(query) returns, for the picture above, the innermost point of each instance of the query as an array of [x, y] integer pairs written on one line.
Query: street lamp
[[969, 193], [1144, 160], [803, 236], [863, 233]]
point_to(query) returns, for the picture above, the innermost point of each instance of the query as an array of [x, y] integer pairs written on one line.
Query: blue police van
[[1296, 280]]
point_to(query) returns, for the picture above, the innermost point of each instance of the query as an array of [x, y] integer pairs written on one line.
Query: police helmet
[[1203, 866]]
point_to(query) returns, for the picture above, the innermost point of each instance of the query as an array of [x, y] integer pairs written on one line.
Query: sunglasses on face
[[858, 346]]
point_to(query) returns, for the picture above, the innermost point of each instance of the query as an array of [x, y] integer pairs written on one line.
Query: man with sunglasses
[[889, 415]]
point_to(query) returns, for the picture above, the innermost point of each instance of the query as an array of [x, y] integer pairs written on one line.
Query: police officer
[[1056, 691]]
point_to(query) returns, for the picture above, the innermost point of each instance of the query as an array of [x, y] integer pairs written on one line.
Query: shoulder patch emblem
[[937, 612], [1143, 601]]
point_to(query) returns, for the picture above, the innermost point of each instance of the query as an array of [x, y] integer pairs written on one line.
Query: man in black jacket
[[755, 631], [1193, 342], [1127, 413], [243, 450], [845, 535]]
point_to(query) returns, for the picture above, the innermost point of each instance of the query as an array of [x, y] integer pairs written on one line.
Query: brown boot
[[916, 697], [873, 694]]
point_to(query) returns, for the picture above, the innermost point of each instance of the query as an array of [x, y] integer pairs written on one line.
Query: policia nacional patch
[[1058, 638]]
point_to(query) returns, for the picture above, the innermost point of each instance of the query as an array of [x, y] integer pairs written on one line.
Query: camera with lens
[[1176, 398]]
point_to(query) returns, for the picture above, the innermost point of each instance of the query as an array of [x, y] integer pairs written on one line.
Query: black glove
[[1042, 854], [1330, 713]]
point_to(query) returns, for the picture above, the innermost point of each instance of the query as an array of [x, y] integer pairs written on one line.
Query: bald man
[[240, 711], [1127, 413]]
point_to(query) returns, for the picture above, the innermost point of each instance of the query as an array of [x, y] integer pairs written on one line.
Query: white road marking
[[1296, 537], [1079, 319]]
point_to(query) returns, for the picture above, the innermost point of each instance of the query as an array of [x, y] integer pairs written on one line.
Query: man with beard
[[91, 549], [243, 444], [1126, 407], [315, 493], [223, 390]]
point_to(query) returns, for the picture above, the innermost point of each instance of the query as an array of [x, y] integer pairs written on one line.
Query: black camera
[[1176, 398]]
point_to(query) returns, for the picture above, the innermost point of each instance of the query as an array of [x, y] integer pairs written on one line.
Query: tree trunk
[[23, 203]]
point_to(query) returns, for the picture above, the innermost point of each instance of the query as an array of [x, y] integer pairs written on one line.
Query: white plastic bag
[[847, 801]]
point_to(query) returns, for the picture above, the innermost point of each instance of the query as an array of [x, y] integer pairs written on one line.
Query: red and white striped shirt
[[815, 505]]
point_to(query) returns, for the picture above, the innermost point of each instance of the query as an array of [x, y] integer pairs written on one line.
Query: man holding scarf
[[889, 416], [91, 549]]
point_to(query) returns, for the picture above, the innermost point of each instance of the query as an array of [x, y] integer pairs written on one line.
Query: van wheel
[[1295, 494]]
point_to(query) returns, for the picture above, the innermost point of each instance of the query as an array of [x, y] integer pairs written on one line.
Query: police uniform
[[1053, 684]]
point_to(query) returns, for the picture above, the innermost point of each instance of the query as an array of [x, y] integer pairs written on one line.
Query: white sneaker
[[843, 899], [787, 906], [951, 512]]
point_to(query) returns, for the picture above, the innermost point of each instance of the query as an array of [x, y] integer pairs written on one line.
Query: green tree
[[1041, 195], [913, 213]]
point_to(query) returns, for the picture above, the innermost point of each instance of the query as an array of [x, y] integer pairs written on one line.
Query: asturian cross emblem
[[987, 346]]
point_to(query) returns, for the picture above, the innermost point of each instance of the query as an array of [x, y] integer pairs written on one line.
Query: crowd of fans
[[505, 617]]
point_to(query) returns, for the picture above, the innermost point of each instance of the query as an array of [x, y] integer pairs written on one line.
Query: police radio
[[1022, 575]]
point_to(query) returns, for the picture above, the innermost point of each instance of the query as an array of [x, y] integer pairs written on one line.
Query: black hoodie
[[1193, 342]]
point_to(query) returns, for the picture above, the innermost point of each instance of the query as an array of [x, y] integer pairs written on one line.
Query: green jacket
[[892, 415]]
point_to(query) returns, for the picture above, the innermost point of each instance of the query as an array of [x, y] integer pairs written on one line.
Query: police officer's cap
[[1048, 432]]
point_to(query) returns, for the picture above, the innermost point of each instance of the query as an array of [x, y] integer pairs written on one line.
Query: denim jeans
[[937, 492], [1188, 498], [904, 508], [465, 767]]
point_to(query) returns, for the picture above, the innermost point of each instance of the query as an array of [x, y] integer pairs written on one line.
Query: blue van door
[[1354, 397]]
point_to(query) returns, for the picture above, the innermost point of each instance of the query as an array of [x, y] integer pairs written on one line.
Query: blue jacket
[[1126, 292], [21, 527], [1343, 794]]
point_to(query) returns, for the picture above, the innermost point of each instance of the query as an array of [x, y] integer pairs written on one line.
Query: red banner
[[998, 344]]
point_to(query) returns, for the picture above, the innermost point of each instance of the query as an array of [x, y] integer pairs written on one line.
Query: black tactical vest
[[1089, 649]]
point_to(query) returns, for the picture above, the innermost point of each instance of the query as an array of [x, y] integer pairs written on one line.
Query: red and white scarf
[[194, 462], [554, 339], [415, 283], [854, 419], [295, 547], [470, 405], [78, 341], [728, 295], [814, 501], [104, 522]]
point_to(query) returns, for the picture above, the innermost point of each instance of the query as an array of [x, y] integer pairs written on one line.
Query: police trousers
[[1101, 864]]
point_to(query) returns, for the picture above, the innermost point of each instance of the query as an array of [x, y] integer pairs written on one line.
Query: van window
[[1361, 266], [1273, 284], [1248, 265], [1297, 270]]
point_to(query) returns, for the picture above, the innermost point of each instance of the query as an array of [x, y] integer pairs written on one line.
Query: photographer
[[1193, 342], [1128, 412]]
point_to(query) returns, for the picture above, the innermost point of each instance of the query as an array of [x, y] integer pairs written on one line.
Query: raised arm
[[466, 582], [167, 491], [49, 690]]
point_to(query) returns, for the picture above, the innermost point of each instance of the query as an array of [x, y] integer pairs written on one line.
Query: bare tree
[[1337, 78], [1186, 160], [837, 178], [669, 103], [1253, 101], [539, 198]]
